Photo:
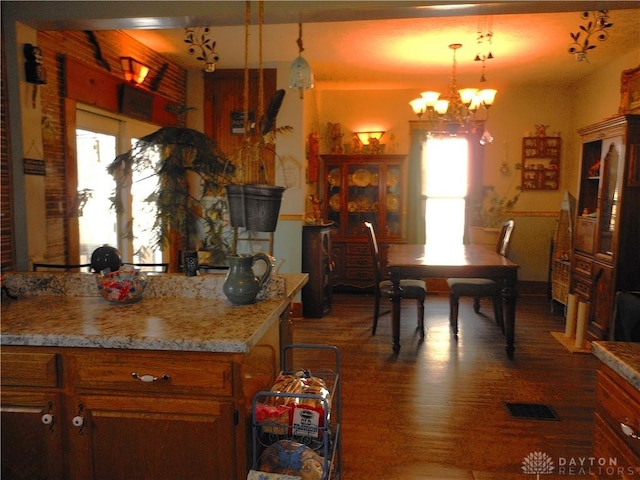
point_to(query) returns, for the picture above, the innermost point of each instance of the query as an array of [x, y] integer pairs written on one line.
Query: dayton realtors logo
[[539, 463]]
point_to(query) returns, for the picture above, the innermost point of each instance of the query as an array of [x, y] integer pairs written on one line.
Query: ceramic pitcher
[[241, 285]]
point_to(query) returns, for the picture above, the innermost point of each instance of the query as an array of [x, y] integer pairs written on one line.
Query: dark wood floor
[[437, 409]]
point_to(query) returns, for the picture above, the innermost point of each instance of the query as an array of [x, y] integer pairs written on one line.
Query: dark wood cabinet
[[355, 189], [606, 252], [317, 262], [617, 404]]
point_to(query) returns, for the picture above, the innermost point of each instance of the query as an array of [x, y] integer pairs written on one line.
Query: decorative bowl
[[122, 286]]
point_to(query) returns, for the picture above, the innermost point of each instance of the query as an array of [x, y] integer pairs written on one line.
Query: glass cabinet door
[[332, 195], [362, 197], [610, 177], [393, 200]]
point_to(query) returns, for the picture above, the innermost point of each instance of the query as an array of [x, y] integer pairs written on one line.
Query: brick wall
[[6, 216]]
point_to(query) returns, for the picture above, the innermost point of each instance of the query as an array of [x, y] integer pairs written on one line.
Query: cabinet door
[[601, 301], [611, 172], [152, 437], [31, 435], [362, 197]]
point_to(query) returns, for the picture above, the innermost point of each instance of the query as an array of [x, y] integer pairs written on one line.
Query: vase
[[241, 284]]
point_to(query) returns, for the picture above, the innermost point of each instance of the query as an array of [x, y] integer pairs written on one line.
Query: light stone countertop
[[64, 310], [622, 357]]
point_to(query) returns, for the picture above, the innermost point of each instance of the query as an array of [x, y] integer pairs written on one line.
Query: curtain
[[416, 202]]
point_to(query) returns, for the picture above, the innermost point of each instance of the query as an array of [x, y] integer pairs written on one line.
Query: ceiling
[[366, 44], [360, 52]]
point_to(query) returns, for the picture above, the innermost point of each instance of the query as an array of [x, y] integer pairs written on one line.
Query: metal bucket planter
[[235, 202], [255, 207]]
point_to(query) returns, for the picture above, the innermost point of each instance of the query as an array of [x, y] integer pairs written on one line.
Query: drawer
[[361, 274], [360, 262], [150, 372], [582, 288], [583, 265], [29, 369], [607, 445], [619, 403], [358, 249]]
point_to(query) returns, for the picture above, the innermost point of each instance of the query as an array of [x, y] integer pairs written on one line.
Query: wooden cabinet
[[78, 413], [606, 255], [541, 163], [355, 189], [317, 262], [617, 404]]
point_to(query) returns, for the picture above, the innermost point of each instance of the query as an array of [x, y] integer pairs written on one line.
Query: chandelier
[[456, 111]]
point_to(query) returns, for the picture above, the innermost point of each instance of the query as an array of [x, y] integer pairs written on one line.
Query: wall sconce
[[134, 71], [367, 137]]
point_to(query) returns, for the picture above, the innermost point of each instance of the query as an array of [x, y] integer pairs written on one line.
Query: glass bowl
[[122, 286]]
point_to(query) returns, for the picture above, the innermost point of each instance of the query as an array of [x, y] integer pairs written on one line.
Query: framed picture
[[237, 123], [630, 92]]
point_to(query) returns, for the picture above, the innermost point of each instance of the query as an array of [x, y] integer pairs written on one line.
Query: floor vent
[[531, 411]]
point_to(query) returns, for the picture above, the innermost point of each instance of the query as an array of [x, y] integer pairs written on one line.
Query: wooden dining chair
[[478, 288], [411, 288]]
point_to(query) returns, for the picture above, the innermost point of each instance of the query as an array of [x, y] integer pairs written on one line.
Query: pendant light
[[300, 76]]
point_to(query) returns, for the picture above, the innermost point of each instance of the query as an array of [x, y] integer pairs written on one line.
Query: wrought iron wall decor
[[201, 45], [597, 24]]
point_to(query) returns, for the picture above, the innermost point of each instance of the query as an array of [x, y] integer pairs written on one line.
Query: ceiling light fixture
[[202, 46], [485, 43], [300, 76], [597, 24], [134, 72], [456, 112]]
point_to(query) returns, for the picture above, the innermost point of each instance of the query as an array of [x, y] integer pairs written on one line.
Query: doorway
[[100, 137]]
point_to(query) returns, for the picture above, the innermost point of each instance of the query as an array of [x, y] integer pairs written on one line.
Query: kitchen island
[[156, 389], [616, 436]]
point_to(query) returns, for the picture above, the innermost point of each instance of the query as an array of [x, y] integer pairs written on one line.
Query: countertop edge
[[622, 357]]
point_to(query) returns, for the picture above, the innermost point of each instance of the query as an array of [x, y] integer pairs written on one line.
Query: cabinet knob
[[47, 419], [628, 431], [150, 378], [77, 421]]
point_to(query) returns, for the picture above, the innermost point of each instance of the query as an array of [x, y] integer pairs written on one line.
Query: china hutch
[[355, 189], [606, 246]]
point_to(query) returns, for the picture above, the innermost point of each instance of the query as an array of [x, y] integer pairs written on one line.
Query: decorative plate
[[334, 202], [334, 177], [392, 178], [393, 203], [361, 177], [352, 206]]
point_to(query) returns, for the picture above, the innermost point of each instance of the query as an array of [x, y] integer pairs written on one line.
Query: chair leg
[[498, 312], [453, 313], [476, 305], [420, 302], [376, 313]]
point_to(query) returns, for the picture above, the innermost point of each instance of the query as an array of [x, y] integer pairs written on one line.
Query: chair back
[[375, 252], [504, 239]]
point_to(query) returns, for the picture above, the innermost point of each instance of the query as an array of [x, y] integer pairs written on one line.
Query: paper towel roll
[[572, 313], [581, 328]]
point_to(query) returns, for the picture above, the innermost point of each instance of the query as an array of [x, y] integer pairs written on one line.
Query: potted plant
[[492, 212], [254, 199], [181, 158]]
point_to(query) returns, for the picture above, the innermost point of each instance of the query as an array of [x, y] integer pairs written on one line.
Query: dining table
[[448, 261]]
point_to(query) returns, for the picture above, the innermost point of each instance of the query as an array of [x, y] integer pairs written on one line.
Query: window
[[99, 139], [444, 184]]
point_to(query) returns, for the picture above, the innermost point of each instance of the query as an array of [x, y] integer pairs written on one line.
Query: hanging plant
[[174, 154]]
